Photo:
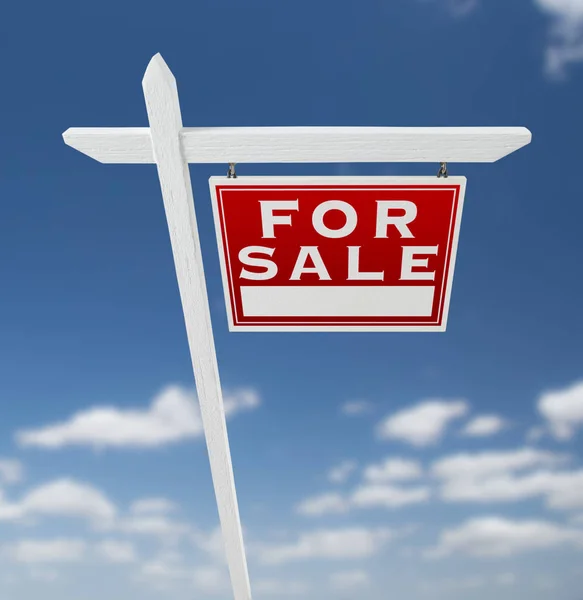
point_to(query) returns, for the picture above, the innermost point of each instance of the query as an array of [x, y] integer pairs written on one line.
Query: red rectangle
[[337, 253]]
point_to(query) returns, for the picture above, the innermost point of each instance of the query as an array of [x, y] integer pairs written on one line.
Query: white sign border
[[337, 180]]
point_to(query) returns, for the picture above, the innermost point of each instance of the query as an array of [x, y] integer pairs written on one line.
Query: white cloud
[[342, 472], [211, 579], [498, 537], [70, 498], [353, 408], [116, 551], [152, 506], [324, 504], [11, 471], [393, 469], [565, 490], [509, 476], [239, 400], [423, 424], [561, 490], [459, 8], [387, 496], [481, 464], [10, 511], [363, 497], [465, 583], [565, 44], [349, 579], [451, 584], [563, 409], [276, 587], [173, 416], [170, 567], [156, 568], [153, 525], [566, 34], [462, 7], [484, 426], [46, 551], [330, 544], [212, 543], [63, 498]]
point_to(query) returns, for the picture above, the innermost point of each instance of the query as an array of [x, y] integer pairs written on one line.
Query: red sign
[[337, 253]]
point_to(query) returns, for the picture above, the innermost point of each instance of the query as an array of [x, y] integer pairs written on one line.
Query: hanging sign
[[337, 253]]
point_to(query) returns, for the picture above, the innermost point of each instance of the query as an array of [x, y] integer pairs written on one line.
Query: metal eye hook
[[442, 170], [231, 173]]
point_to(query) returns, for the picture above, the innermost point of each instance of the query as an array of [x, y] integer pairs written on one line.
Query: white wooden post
[[165, 127]]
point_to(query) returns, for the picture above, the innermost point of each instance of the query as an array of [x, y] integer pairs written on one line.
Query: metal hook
[[442, 170], [231, 173]]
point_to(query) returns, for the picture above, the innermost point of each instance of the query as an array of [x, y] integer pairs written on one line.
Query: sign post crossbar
[[171, 147]]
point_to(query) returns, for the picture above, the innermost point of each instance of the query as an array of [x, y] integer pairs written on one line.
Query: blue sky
[[431, 465]]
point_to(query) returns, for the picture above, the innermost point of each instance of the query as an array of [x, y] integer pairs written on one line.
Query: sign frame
[[458, 183]]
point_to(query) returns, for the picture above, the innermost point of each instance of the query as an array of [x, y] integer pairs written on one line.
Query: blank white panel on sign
[[337, 301]]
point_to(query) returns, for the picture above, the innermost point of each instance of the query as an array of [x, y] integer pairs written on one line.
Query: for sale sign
[[337, 253]]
